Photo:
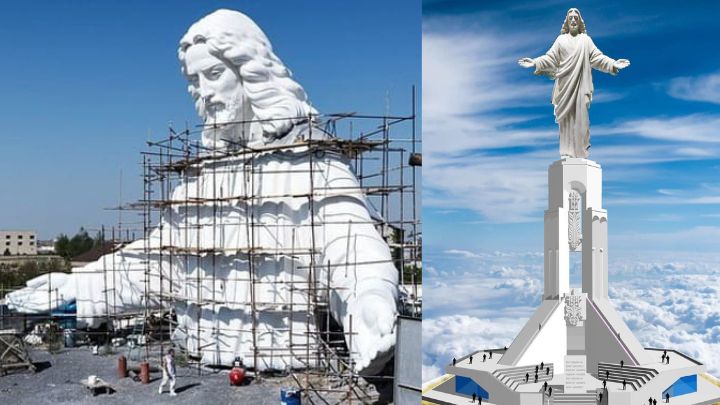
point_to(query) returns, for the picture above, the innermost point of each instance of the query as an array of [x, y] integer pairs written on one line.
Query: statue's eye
[[215, 72], [193, 79]]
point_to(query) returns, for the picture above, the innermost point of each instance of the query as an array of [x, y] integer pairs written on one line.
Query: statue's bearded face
[[573, 20], [215, 86]]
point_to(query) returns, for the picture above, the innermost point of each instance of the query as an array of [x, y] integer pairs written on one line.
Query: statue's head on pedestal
[[242, 90]]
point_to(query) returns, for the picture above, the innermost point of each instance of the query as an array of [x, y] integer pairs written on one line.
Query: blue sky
[[489, 132], [88, 82], [489, 136]]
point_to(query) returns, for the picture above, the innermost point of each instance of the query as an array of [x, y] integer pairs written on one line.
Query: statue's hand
[[621, 64], [374, 322], [526, 62]]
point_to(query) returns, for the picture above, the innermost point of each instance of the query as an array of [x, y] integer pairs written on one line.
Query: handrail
[[683, 355], [615, 334]]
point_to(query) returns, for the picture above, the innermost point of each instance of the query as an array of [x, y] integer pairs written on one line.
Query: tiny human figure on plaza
[[454, 361], [479, 400], [650, 401], [667, 397], [624, 383], [484, 357], [545, 386], [471, 359], [663, 357], [600, 397], [550, 391], [607, 374], [473, 397], [622, 363], [667, 359], [654, 401], [536, 377], [527, 377], [490, 355], [542, 364], [168, 368], [547, 371], [604, 383], [536, 369]]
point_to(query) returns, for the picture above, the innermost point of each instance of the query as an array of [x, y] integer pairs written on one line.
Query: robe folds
[[568, 62]]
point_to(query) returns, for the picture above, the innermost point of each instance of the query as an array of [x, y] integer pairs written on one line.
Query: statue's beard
[[573, 30], [231, 121], [230, 111]]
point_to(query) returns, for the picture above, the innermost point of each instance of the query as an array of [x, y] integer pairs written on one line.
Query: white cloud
[[457, 335], [467, 82], [463, 253], [702, 128], [696, 88]]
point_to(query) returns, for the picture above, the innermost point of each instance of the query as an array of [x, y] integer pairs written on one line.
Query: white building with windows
[[15, 243]]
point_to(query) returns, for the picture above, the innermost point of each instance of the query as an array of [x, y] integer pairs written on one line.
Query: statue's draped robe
[[568, 62]]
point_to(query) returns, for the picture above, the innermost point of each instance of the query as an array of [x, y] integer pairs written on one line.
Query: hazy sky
[[86, 83]]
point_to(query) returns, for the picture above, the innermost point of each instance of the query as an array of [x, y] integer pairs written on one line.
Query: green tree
[[77, 245], [62, 246]]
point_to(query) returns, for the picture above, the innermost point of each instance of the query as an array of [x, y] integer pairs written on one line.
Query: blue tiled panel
[[684, 385], [466, 386]]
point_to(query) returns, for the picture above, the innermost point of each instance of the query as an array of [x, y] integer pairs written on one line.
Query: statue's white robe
[[568, 62]]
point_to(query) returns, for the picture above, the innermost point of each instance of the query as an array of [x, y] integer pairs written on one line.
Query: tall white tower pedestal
[[575, 221], [574, 202]]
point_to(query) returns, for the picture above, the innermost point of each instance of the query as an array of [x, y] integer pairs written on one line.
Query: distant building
[[45, 247], [16, 243]]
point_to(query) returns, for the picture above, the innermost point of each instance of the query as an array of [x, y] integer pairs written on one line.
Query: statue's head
[[235, 78], [573, 23]]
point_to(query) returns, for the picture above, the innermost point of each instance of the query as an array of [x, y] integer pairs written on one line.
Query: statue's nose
[[207, 98]]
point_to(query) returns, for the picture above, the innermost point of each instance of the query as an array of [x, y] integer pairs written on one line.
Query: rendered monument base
[[575, 341]]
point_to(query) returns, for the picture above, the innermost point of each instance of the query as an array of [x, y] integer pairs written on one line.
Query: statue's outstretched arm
[[364, 280], [603, 63], [545, 64]]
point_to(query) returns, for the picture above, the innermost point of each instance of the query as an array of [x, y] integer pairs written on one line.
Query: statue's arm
[[362, 275], [604, 63], [545, 64]]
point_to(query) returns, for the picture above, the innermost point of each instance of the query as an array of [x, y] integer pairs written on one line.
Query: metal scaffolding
[[384, 152]]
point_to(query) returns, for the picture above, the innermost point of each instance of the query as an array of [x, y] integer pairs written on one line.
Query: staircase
[[564, 398], [514, 376], [634, 376]]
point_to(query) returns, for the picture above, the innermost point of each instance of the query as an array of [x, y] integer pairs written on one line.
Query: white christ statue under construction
[[244, 234], [568, 62]]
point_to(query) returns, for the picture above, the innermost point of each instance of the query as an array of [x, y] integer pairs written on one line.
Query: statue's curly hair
[[581, 23], [273, 95]]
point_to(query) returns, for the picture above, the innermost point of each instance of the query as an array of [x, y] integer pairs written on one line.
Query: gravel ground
[[58, 382]]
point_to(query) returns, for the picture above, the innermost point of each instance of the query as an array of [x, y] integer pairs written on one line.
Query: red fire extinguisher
[[237, 374]]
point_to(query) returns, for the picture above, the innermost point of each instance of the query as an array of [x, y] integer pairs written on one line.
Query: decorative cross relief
[[574, 221], [575, 311]]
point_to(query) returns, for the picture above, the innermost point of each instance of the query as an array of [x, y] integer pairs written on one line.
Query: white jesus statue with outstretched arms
[[568, 62]]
